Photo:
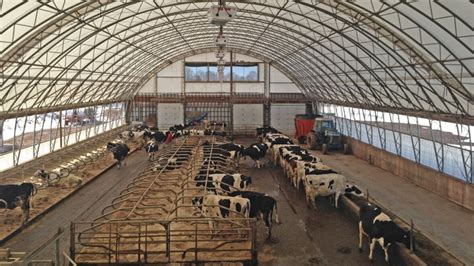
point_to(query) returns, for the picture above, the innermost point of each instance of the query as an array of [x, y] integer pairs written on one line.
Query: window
[[214, 74], [245, 73], [196, 73], [207, 72]]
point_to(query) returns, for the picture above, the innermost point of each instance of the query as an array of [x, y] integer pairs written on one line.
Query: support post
[[57, 252], [72, 244], [412, 226], [266, 92]]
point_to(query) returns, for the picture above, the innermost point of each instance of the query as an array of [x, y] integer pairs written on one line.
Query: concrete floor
[[446, 223], [306, 237], [84, 205]]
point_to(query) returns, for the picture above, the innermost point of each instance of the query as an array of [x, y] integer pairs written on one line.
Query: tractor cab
[[325, 136]]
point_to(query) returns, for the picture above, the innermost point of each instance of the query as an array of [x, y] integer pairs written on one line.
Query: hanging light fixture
[[220, 15]]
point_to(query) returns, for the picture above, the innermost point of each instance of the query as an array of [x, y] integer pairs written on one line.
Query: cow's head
[[406, 240], [197, 201], [111, 145], [247, 179]]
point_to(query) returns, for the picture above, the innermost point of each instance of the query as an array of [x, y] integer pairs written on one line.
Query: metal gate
[[216, 111]]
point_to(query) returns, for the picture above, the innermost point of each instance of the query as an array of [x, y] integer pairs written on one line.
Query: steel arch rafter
[[400, 41], [309, 83]]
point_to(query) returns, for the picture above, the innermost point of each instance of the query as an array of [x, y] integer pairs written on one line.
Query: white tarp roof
[[399, 55]]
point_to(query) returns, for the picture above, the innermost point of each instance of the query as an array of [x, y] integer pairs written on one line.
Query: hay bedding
[[10, 220], [182, 232]]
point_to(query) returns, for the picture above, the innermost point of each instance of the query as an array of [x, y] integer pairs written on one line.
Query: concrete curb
[[55, 205]]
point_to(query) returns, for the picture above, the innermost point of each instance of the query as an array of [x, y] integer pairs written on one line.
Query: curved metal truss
[[406, 56]]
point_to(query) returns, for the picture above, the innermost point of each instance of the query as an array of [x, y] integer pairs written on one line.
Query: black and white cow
[[301, 168], [323, 185], [218, 206], [157, 135], [12, 196], [266, 129], [151, 148], [226, 182], [327, 185], [119, 150], [380, 228], [126, 135], [256, 152], [262, 204], [232, 147]]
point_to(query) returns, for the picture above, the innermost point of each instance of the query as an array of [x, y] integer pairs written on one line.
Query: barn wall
[[444, 185], [282, 116], [170, 114], [149, 87], [247, 117], [170, 79], [279, 83]]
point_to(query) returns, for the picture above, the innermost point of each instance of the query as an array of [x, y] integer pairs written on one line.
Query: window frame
[[209, 64]]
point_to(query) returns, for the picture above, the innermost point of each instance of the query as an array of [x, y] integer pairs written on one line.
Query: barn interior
[[378, 94]]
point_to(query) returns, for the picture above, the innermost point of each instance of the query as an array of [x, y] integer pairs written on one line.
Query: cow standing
[[260, 204], [225, 182], [218, 206], [380, 229], [12, 196], [119, 150], [256, 152], [324, 185], [151, 148], [236, 150]]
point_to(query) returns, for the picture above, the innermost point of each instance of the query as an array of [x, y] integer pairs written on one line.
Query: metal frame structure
[[50, 133], [403, 136], [367, 53], [153, 221], [409, 58]]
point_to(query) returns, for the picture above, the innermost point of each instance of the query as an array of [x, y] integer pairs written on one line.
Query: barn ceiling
[[399, 55]]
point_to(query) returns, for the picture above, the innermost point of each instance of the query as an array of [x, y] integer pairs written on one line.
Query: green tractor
[[325, 136]]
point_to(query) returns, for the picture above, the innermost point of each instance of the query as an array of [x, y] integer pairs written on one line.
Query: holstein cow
[[151, 148], [154, 135], [256, 152], [260, 204], [232, 147], [219, 206], [12, 196], [60, 178], [380, 228], [119, 150], [261, 131], [302, 168], [127, 135], [327, 185], [225, 182]]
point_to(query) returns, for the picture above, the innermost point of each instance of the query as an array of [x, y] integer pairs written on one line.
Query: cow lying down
[[328, 185], [59, 178]]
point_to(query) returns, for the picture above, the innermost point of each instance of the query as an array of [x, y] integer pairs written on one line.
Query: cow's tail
[[276, 213], [247, 215], [34, 190]]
